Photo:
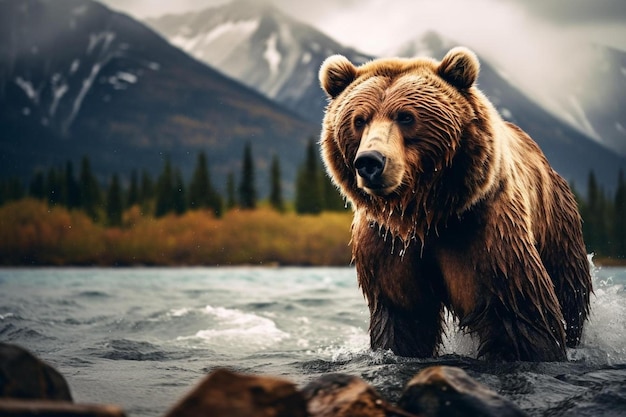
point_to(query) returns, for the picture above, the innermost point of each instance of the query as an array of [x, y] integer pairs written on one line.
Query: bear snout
[[370, 166]]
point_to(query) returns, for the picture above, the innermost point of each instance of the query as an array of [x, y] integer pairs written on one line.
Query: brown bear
[[453, 208]]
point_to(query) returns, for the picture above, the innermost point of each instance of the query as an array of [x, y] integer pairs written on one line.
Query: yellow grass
[[32, 233]]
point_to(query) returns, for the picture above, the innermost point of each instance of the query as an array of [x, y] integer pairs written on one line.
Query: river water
[[143, 337]]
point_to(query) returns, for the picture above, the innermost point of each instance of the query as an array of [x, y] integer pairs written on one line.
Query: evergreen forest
[[122, 202]]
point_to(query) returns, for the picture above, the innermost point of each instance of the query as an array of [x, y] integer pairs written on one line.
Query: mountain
[[260, 46], [571, 152], [79, 79], [598, 105]]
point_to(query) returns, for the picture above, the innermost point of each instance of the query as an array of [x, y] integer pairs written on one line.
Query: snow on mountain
[[568, 143], [258, 45], [56, 87], [79, 79], [593, 104]]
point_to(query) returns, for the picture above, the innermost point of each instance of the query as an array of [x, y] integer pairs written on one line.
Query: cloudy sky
[[373, 25], [544, 46]]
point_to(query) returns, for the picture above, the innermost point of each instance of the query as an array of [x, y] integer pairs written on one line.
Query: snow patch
[[271, 54], [243, 29], [26, 111], [87, 83], [75, 65], [218, 43], [127, 76], [185, 43], [28, 88], [620, 128], [95, 39], [306, 58], [154, 66], [58, 91], [121, 80], [580, 116]]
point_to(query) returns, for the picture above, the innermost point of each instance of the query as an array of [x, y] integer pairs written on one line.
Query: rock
[[24, 376], [339, 395], [448, 391], [31, 387], [225, 393], [45, 408]]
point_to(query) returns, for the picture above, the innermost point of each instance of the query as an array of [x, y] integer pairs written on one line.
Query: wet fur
[[479, 223]]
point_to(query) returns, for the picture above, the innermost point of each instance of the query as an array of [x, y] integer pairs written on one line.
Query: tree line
[[170, 193], [604, 218], [604, 215]]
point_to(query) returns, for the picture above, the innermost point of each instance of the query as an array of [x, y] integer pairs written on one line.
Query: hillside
[[79, 79], [260, 46]]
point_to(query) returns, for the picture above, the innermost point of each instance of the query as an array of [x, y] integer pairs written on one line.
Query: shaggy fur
[[466, 213]]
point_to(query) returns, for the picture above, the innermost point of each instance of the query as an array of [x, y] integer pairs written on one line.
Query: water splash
[[238, 329], [604, 337]]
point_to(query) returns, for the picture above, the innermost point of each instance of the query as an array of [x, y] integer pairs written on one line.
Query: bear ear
[[459, 67], [336, 73]]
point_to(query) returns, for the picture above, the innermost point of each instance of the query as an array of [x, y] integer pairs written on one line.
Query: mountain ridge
[[119, 90], [571, 152]]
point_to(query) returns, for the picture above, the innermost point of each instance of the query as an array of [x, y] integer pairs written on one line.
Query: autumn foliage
[[32, 233]]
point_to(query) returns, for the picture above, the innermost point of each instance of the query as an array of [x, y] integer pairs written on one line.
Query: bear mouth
[[377, 189]]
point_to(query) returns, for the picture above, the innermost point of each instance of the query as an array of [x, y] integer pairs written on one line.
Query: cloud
[[542, 45], [544, 53], [577, 11], [142, 9]]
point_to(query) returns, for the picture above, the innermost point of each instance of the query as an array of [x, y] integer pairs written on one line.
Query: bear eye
[[405, 118], [359, 122]]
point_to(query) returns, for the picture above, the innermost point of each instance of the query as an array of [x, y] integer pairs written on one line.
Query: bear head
[[407, 141]]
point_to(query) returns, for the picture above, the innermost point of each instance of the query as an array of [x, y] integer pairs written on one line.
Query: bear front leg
[[564, 256], [518, 316], [405, 308]]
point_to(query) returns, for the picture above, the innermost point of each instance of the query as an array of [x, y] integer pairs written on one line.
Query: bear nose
[[370, 166]]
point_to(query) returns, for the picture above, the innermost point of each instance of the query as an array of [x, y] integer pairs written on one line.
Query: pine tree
[[333, 200], [202, 194], [132, 197], [114, 204], [231, 201], [200, 185], [308, 185], [71, 192], [595, 228], [146, 191], [619, 217], [165, 191], [37, 187], [215, 203], [247, 189], [11, 189], [276, 194], [90, 194], [180, 200], [53, 187]]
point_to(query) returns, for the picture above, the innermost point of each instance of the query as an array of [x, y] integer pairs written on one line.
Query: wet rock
[[45, 408], [31, 387], [340, 395], [448, 391], [24, 376], [225, 393]]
